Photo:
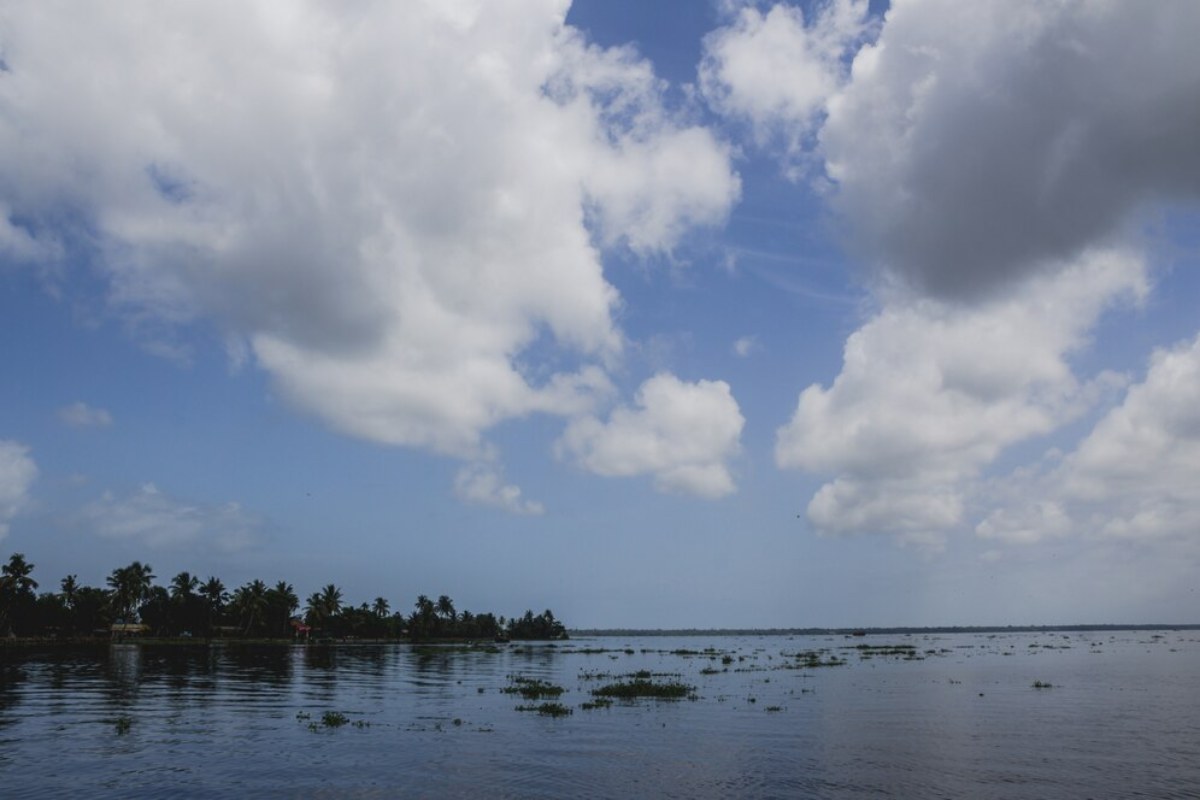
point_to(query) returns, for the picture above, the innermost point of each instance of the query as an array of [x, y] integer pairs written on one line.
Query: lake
[[921, 715]]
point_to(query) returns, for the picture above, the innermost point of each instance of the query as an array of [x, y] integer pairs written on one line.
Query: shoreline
[[154, 641]]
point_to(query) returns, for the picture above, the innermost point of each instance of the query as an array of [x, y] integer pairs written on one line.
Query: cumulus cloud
[[776, 70], [397, 208], [977, 143], [681, 433], [931, 392], [1132, 478], [17, 474], [81, 415], [152, 518], [482, 483], [988, 162], [973, 144]]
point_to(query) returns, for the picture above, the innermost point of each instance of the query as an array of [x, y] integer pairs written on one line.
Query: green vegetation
[[122, 725], [901, 650], [330, 720], [334, 719], [599, 702], [531, 688], [548, 709], [815, 659], [641, 687], [1042, 685], [189, 608]]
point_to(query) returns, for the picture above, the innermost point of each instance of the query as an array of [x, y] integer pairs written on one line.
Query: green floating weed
[[548, 709], [334, 719], [639, 687], [123, 724], [1042, 685], [532, 688]]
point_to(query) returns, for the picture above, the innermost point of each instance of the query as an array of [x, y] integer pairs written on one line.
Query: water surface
[[952, 715]]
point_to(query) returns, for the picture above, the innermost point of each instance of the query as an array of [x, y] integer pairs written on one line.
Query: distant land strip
[[576, 632]]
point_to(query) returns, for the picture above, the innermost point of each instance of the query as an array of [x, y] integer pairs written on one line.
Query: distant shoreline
[[577, 632]]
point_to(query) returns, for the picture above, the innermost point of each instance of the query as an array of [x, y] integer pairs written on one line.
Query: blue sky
[[656, 314]]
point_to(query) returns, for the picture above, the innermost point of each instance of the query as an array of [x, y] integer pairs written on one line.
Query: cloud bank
[[989, 164], [931, 393], [152, 518], [398, 210], [969, 145], [1132, 478]]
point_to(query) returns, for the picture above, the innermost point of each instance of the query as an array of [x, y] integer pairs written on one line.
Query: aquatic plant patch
[[641, 687], [532, 688]]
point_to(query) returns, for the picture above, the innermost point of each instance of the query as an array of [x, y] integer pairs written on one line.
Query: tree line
[[191, 607]]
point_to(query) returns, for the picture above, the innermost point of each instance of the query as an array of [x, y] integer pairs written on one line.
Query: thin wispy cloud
[[81, 415]]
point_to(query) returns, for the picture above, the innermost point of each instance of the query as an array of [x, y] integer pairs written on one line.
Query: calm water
[[962, 719]]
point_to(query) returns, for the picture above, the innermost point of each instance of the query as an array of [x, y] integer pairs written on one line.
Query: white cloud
[[978, 143], [1133, 477], [930, 393], [81, 415], [17, 474], [152, 518], [483, 484], [988, 161], [973, 144], [745, 346], [777, 70], [18, 245], [396, 207], [681, 433]]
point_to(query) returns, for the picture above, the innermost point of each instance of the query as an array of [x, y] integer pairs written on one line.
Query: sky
[[692, 313]]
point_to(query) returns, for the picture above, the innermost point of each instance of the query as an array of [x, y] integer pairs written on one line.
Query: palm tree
[[313, 610], [445, 607], [380, 607], [250, 601], [14, 576], [187, 607], [129, 585], [282, 602], [424, 621], [16, 588], [324, 605], [183, 586], [215, 597], [331, 599], [70, 588]]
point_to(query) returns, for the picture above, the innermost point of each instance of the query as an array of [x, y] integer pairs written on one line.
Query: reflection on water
[[950, 715]]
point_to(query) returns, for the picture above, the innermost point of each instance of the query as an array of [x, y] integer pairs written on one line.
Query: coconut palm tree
[[331, 600], [70, 588], [129, 586], [380, 607], [215, 598], [324, 606], [184, 585], [187, 606], [16, 589], [445, 607], [282, 602], [250, 603]]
